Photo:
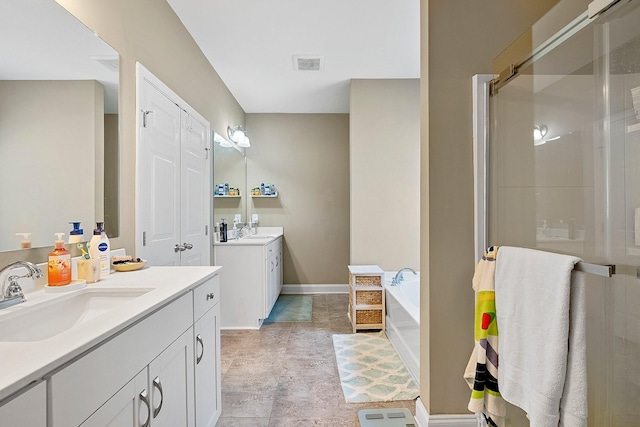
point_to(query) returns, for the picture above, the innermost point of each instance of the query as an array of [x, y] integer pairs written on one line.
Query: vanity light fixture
[[539, 132], [238, 135], [221, 141]]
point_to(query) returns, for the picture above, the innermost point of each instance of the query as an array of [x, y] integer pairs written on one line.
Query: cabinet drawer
[[206, 296]]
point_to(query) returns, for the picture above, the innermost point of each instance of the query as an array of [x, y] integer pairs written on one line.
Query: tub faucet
[[398, 278], [11, 291]]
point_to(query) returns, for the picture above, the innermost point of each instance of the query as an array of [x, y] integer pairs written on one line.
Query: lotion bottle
[[59, 268], [99, 248]]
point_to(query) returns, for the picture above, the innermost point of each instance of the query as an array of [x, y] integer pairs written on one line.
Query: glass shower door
[[565, 177]]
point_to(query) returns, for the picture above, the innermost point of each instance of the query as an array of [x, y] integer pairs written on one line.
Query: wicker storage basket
[[368, 317], [366, 297]]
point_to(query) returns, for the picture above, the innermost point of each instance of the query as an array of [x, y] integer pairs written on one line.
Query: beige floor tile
[[285, 374]]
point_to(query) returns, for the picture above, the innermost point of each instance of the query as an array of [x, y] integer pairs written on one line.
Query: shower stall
[[563, 175]]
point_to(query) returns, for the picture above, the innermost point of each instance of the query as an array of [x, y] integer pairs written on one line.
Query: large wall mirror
[[58, 125], [229, 167]]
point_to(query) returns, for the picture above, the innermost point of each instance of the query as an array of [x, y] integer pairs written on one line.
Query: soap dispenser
[[25, 243], [59, 269], [76, 235]]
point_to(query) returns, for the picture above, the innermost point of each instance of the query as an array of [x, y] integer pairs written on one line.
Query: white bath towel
[[541, 315]]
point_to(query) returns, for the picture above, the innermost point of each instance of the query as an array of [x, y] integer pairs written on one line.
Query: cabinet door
[[27, 409], [207, 368], [279, 275], [171, 384], [270, 283], [129, 407]]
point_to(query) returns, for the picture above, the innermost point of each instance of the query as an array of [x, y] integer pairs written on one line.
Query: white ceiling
[[251, 44]]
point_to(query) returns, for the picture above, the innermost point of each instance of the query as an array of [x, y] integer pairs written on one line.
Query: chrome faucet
[[11, 291], [398, 278]]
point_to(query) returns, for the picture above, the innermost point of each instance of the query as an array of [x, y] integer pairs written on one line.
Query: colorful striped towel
[[482, 370]]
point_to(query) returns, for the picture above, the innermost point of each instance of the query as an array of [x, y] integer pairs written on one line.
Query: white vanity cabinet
[[206, 335], [28, 408], [152, 374], [251, 278]]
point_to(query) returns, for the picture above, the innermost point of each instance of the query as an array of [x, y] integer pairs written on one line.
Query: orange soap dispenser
[[59, 271]]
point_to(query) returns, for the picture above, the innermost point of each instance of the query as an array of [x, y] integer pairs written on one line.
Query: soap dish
[[74, 285], [129, 266]]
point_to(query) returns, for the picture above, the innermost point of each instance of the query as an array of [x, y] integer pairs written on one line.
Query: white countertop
[[264, 236], [26, 362]]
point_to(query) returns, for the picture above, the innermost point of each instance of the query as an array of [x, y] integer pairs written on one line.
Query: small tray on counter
[[130, 265]]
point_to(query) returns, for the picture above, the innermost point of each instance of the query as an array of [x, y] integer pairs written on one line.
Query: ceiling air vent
[[308, 62], [111, 62]]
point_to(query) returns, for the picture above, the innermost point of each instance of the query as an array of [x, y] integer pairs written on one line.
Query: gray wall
[[52, 136], [459, 38], [385, 172], [306, 156]]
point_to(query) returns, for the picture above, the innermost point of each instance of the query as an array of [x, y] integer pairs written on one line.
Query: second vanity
[[251, 277], [135, 349]]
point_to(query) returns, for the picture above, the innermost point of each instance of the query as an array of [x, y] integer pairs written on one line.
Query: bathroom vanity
[[251, 277], [138, 348]]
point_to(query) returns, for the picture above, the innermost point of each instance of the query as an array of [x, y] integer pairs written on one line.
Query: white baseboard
[[449, 420], [315, 289]]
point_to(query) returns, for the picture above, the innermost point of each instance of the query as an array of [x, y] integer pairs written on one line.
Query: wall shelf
[[265, 196], [226, 197]]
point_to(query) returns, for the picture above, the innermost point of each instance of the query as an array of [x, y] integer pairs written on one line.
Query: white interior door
[[173, 179], [194, 192], [158, 177]]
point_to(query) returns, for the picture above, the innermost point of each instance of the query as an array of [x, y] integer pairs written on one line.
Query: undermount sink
[[46, 319], [259, 236]]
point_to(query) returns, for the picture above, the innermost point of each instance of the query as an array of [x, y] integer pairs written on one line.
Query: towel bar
[[597, 269]]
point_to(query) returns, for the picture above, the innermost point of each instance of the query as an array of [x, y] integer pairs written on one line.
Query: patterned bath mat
[[371, 370], [291, 308]]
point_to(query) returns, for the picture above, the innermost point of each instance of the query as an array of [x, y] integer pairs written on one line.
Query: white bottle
[[99, 248]]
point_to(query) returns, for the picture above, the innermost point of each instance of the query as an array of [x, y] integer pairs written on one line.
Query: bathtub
[[403, 320]]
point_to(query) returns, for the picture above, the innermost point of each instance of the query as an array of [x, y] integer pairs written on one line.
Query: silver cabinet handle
[[144, 396], [178, 248], [271, 265], [199, 340], [210, 295], [157, 384], [187, 245]]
